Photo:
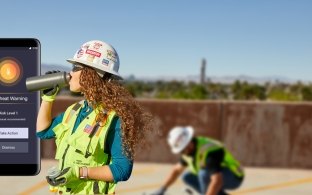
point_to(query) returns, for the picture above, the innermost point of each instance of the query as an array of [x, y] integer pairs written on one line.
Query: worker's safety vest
[[85, 147], [203, 148]]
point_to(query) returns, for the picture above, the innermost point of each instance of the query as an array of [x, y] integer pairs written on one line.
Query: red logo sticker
[[93, 53]]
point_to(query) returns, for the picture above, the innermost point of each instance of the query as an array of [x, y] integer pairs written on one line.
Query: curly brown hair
[[110, 95]]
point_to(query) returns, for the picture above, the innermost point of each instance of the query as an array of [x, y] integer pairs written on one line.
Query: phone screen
[[19, 146]]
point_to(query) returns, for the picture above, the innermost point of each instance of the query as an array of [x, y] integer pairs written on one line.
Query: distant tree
[[218, 91], [246, 91], [283, 93], [237, 90], [198, 91], [277, 94], [306, 92], [255, 92], [181, 94], [162, 95], [295, 90]]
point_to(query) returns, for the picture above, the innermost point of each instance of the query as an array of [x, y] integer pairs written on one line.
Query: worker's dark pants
[[201, 181]]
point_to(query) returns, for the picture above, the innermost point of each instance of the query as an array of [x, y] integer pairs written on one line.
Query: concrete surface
[[147, 177]]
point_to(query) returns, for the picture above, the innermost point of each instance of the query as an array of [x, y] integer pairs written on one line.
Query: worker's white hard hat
[[98, 55], [179, 138]]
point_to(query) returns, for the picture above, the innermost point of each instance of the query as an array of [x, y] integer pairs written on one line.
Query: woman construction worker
[[96, 138], [212, 169]]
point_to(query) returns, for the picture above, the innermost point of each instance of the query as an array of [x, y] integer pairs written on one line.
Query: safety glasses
[[77, 67]]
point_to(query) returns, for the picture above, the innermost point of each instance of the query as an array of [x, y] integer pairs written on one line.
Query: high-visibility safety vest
[[203, 148], [85, 147]]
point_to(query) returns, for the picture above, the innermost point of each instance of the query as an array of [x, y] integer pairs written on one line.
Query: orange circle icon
[[10, 71]]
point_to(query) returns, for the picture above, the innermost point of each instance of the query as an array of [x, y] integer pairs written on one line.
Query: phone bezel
[[23, 169]]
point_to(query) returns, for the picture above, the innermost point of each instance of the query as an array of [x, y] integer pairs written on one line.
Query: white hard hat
[[179, 138], [98, 55]]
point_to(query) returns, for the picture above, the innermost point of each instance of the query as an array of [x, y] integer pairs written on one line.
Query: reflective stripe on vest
[[85, 147], [203, 148]]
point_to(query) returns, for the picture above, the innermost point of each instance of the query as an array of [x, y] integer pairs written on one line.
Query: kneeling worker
[[212, 168]]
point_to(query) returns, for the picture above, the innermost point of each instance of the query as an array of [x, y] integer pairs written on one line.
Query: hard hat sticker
[[93, 53], [111, 55], [80, 53], [97, 45], [105, 62]]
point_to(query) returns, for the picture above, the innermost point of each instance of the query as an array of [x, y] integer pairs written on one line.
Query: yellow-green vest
[[82, 149], [203, 148]]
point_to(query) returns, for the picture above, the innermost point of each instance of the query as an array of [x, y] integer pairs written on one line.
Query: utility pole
[[203, 72]]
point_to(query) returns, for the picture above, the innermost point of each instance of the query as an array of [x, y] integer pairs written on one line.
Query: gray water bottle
[[47, 81]]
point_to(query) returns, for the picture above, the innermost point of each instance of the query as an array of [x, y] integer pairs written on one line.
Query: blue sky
[[165, 38]]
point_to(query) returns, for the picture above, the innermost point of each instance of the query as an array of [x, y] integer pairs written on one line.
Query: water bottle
[[47, 81]]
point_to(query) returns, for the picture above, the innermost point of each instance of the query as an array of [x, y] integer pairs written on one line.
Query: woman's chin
[[75, 90]]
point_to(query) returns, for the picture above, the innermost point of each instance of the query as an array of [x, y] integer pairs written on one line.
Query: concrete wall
[[269, 134], [257, 133]]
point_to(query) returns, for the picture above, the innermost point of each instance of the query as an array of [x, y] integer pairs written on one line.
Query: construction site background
[[273, 141], [259, 134]]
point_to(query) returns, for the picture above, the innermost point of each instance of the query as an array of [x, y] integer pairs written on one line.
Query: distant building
[[203, 72]]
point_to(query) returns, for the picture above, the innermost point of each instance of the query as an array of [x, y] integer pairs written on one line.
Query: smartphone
[[19, 146]]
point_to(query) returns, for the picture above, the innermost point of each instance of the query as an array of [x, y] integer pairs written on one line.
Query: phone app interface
[[18, 107]]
